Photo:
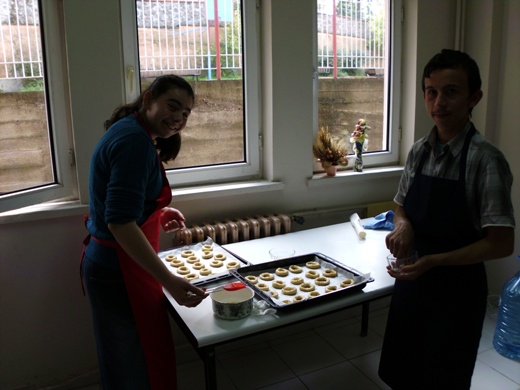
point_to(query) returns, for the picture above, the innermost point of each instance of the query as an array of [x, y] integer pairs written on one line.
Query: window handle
[[130, 77]]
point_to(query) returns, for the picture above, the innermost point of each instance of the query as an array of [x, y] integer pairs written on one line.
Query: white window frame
[[392, 98], [58, 116], [250, 169]]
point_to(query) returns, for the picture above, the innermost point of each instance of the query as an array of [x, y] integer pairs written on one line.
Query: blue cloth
[[383, 221]]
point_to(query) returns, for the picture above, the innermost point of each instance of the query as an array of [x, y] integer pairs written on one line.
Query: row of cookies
[[301, 281], [199, 261]]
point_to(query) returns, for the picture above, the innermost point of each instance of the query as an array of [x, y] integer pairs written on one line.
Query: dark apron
[[148, 301], [435, 322]]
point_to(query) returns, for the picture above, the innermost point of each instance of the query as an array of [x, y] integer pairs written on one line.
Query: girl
[[123, 275]]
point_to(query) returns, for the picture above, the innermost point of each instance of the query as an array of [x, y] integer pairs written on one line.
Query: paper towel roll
[[356, 224]]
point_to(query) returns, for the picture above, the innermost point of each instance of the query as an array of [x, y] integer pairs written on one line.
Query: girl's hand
[[172, 220], [185, 293]]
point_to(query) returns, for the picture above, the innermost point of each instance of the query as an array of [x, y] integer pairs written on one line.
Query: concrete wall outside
[[24, 141], [217, 116]]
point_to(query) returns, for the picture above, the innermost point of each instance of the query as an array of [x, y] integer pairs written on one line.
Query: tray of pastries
[[299, 280], [201, 261]]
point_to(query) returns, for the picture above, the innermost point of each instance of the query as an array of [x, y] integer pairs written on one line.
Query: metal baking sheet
[[282, 301], [216, 272]]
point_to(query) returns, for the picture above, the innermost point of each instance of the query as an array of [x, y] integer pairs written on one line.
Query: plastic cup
[[281, 253], [397, 263]]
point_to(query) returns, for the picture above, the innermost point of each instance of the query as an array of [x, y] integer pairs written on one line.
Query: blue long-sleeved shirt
[[125, 180]]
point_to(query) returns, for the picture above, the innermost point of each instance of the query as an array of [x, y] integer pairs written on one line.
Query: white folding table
[[340, 242]]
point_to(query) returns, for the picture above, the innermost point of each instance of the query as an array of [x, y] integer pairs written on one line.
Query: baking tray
[[282, 301], [216, 272]]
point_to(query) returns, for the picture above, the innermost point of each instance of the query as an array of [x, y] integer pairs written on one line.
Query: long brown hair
[[168, 148]]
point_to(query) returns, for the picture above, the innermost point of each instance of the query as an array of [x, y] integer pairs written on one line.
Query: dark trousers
[[121, 358]]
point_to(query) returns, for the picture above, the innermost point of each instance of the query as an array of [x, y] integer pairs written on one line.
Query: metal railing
[[351, 37], [182, 36], [190, 36], [20, 41]]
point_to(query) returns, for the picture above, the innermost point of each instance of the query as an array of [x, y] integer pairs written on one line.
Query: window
[[31, 169], [357, 73], [235, 64], [221, 140]]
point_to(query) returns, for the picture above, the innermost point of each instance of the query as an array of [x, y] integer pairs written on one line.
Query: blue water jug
[[507, 332]]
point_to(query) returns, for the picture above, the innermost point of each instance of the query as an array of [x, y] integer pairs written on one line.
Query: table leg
[[210, 367], [365, 308]]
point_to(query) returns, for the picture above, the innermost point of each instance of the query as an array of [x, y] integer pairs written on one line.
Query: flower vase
[[358, 164], [331, 171]]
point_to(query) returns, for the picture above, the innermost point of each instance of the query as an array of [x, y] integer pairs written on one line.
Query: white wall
[[493, 34], [96, 74], [45, 329]]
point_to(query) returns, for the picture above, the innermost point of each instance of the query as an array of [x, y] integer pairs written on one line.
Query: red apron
[[149, 306], [149, 303]]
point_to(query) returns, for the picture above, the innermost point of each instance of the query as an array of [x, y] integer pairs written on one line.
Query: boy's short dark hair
[[454, 59]]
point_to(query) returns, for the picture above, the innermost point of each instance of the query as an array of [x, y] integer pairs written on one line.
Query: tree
[[377, 29], [355, 9]]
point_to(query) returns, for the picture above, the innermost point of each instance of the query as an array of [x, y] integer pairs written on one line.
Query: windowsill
[[225, 189], [350, 176], [74, 208], [44, 211]]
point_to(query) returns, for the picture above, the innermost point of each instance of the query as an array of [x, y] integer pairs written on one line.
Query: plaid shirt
[[488, 176]]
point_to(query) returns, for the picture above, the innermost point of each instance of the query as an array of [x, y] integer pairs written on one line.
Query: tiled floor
[[327, 355]]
